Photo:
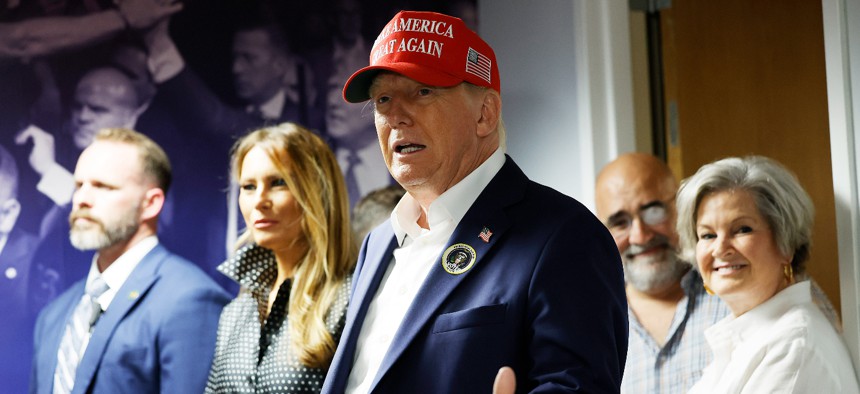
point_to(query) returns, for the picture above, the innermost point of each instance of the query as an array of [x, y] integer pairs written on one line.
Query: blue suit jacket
[[157, 335], [545, 296]]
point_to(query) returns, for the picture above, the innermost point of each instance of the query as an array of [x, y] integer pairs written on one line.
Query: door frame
[[842, 56]]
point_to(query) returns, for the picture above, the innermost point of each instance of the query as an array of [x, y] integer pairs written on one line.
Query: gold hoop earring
[[788, 272], [708, 289]]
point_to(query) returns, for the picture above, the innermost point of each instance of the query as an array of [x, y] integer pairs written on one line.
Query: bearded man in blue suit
[[151, 326], [478, 267]]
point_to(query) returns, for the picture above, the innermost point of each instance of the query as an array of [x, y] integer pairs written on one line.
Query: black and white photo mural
[[193, 75]]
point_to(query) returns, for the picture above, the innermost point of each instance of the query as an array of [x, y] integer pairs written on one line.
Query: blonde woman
[[294, 266]]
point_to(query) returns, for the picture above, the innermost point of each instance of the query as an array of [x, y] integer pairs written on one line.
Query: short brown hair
[[154, 160]]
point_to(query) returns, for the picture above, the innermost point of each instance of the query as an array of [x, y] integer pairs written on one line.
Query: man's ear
[[9, 211], [153, 203], [491, 110]]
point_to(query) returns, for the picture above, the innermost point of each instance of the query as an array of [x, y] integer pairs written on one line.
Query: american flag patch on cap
[[478, 65]]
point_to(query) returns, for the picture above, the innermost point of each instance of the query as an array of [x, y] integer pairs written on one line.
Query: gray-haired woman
[[748, 223]]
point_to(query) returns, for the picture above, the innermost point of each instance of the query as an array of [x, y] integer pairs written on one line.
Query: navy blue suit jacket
[[545, 296], [157, 335]]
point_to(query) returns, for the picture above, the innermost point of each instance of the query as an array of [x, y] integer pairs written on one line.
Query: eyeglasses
[[651, 214]]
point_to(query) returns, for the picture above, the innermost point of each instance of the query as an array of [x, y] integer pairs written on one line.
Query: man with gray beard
[[144, 319], [668, 306]]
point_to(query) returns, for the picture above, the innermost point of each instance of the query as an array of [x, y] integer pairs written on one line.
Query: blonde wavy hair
[[313, 176]]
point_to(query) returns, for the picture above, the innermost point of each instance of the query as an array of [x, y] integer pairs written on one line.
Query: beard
[[655, 271], [99, 234]]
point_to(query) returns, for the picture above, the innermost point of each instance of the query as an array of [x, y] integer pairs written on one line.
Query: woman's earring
[[788, 272]]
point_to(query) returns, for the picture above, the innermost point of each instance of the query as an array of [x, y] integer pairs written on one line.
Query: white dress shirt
[[419, 251], [784, 345], [117, 273], [272, 108]]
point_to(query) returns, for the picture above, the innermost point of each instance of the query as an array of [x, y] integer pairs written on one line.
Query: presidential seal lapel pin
[[458, 258]]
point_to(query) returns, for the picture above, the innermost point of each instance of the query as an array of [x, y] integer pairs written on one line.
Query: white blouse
[[784, 345]]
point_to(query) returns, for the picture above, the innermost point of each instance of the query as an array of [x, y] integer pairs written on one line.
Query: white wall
[[566, 86], [842, 54]]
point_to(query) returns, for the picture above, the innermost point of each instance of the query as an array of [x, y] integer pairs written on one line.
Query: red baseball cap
[[431, 48]]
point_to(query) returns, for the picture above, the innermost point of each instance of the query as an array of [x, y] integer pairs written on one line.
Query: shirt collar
[[750, 322], [272, 108], [452, 205], [253, 267], [117, 273], [691, 283]]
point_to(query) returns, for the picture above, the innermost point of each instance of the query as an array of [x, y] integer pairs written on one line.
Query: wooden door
[[748, 77]]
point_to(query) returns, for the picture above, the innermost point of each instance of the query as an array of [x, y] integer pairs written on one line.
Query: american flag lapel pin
[[485, 234]]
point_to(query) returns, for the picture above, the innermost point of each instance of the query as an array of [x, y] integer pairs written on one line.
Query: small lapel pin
[[133, 295], [458, 258], [485, 234]]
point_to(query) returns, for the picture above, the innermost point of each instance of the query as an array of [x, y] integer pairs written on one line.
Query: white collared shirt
[[118, 272], [418, 253], [784, 345], [273, 107]]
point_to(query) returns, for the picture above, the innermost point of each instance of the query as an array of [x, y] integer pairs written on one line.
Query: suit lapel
[[506, 188], [369, 278], [53, 335], [132, 292], [371, 274]]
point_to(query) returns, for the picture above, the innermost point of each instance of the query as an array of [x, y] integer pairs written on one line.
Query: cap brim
[[357, 87]]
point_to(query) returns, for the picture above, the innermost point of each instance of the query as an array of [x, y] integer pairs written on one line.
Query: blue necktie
[[77, 335]]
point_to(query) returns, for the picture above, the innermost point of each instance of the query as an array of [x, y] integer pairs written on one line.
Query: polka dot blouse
[[252, 354]]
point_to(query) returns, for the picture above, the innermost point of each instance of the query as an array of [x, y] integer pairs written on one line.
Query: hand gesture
[[142, 14], [506, 381], [42, 157]]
